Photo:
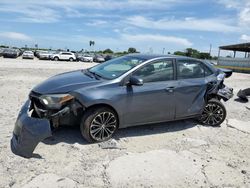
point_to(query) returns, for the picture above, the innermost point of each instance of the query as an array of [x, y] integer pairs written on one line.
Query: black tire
[[88, 128], [56, 58], [71, 59], [214, 113]]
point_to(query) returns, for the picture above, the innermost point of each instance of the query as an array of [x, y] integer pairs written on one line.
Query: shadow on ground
[[72, 135]]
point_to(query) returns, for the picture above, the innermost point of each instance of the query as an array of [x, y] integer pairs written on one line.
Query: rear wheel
[[71, 59], [214, 113], [98, 124], [56, 58]]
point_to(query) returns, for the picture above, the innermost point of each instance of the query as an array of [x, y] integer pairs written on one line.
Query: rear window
[[187, 69]]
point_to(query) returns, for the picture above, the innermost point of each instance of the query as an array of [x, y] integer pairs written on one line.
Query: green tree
[[108, 51], [180, 53], [132, 50], [4, 46], [190, 52], [204, 55]]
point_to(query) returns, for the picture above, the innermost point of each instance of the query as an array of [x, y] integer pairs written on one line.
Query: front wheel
[[98, 124], [71, 59], [214, 113]]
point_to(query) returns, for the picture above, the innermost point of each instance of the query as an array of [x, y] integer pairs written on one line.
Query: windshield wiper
[[87, 73], [97, 76]]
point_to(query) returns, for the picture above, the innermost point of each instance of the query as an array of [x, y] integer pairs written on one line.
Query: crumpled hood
[[65, 82]]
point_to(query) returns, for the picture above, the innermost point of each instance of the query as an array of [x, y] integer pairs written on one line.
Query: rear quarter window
[[207, 70]]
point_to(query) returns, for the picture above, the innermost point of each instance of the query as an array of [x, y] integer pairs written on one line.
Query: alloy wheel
[[213, 114], [103, 126]]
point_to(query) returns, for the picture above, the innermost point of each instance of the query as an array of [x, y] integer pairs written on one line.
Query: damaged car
[[131, 90]]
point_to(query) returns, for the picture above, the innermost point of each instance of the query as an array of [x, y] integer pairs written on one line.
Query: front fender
[[89, 99]]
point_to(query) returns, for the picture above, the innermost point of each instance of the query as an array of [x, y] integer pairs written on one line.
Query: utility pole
[[210, 49], [163, 51]]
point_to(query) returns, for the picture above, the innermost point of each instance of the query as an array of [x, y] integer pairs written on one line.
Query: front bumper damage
[[34, 124], [28, 132]]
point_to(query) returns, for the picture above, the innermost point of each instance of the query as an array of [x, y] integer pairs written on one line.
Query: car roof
[[152, 56]]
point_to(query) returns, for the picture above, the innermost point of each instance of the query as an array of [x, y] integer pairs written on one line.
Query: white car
[[64, 56], [28, 55], [86, 58]]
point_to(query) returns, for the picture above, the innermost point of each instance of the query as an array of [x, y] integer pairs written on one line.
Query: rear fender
[[225, 93], [227, 72], [218, 90]]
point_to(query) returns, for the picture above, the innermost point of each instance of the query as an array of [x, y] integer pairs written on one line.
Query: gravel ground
[[176, 154]]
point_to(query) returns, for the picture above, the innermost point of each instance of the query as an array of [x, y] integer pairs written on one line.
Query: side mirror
[[135, 81]]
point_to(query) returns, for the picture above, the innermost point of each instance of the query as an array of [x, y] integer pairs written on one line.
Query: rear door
[[191, 88]]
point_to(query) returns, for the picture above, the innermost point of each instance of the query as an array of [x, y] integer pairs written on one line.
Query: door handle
[[170, 89]]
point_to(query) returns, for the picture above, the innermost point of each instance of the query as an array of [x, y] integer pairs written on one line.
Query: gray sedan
[[127, 91]]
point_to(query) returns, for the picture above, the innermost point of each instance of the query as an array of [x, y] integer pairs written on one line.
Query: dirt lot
[[179, 154]]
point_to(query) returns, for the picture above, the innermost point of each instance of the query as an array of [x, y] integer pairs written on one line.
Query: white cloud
[[243, 11], [189, 23], [231, 4], [245, 38], [116, 30], [31, 13], [107, 4], [149, 38], [15, 36], [244, 16], [97, 23], [51, 11]]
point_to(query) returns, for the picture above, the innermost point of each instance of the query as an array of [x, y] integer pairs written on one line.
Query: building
[[238, 64]]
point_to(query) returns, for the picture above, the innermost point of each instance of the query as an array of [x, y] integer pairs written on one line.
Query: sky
[[148, 25]]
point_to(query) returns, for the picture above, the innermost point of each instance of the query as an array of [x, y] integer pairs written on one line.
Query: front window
[[116, 67], [161, 70]]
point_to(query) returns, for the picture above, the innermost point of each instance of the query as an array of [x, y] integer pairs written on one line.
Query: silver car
[[28, 55]]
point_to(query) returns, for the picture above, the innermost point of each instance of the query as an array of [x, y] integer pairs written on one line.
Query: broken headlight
[[55, 101]]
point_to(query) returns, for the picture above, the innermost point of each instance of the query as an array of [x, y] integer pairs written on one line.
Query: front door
[[154, 101]]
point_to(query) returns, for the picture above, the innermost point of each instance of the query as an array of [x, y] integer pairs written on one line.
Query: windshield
[[116, 67]]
